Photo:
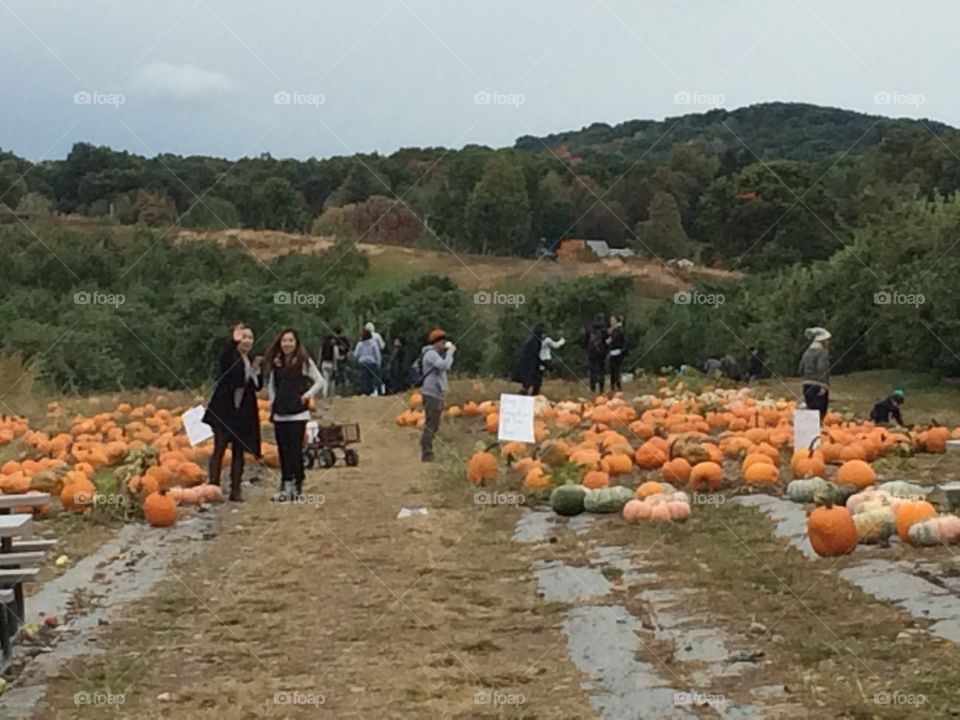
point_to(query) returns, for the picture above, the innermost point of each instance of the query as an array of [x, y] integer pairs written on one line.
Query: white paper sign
[[806, 428], [313, 429], [197, 430], [516, 418]]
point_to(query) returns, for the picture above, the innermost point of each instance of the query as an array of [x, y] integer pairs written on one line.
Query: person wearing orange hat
[[436, 358]]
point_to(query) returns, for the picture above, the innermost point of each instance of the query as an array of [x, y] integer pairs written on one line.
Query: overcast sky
[[308, 78]]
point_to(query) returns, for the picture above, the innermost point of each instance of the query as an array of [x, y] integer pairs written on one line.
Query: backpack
[[416, 372]]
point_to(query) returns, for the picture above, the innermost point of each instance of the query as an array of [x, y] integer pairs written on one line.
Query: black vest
[[289, 385]]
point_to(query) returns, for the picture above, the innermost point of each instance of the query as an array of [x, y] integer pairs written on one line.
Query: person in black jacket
[[617, 343], [528, 371], [594, 341], [294, 380], [397, 366], [232, 411]]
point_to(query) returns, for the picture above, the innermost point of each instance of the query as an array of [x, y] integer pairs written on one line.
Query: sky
[[302, 78]]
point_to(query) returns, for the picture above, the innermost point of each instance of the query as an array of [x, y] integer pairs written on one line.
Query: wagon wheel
[[327, 458], [309, 458], [351, 457]]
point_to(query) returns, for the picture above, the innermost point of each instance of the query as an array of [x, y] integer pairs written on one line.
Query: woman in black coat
[[232, 412], [528, 371]]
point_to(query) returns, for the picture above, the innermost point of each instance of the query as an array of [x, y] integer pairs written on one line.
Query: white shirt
[[548, 344]]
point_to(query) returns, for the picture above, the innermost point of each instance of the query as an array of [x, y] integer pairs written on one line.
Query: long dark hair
[[275, 357]]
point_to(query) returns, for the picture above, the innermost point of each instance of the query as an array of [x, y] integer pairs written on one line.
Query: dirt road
[[337, 608]]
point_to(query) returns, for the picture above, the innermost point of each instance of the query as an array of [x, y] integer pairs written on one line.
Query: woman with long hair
[[294, 380], [232, 410]]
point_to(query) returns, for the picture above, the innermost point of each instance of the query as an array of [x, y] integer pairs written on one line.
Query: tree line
[[757, 188]]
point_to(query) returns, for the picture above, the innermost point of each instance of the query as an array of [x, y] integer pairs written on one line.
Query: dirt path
[[337, 608]]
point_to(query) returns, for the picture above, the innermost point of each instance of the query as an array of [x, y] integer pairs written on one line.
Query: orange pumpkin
[[706, 476], [617, 464], [481, 467], [831, 531], [761, 474], [676, 471], [160, 509], [596, 479], [857, 473], [910, 512]]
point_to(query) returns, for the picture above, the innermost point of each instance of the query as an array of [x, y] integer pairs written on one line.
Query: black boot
[[235, 493], [298, 488]]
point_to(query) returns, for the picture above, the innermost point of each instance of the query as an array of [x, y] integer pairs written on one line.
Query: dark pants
[[433, 411], [816, 400], [290, 448], [616, 362], [596, 374], [221, 440], [369, 382]]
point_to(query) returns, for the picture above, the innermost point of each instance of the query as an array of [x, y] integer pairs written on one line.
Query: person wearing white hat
[[381, 388], [815, 370]]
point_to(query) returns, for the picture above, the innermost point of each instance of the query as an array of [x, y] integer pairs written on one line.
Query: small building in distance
[[575, 249]]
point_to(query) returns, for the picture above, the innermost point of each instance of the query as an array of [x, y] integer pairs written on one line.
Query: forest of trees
[[839, 219], [760, 187]]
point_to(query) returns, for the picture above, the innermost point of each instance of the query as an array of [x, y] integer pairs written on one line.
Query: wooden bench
[[31, 545], [21, 559]]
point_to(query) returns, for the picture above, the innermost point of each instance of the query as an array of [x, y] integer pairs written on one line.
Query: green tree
[[498, 212], [662, 235], [35, 204], [211, 213], [276, 205]]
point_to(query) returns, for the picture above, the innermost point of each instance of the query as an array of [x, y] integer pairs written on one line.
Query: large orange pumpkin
[[831, 531]]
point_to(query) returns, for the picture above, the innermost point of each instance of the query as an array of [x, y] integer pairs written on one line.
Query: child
[[887, 408]]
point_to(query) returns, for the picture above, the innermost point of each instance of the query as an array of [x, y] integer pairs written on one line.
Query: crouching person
[[436, 358]]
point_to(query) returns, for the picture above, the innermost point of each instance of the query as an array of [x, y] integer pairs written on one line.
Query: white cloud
[[183, 82]]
